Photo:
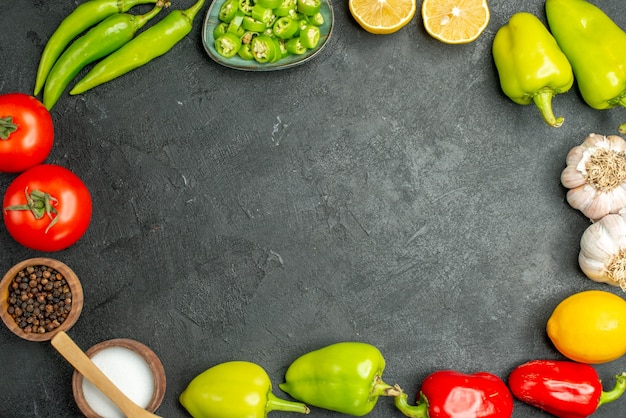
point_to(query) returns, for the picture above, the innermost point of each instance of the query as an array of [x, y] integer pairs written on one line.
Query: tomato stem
[[39, 204], [7, 127]]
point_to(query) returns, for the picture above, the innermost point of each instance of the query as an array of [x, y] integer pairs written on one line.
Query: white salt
[[129, 372]]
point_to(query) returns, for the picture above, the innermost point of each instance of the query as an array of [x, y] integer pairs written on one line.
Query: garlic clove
[[571, 177], [581, 198]]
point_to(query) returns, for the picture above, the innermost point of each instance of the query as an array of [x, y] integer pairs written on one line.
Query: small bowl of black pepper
[[40, 297]]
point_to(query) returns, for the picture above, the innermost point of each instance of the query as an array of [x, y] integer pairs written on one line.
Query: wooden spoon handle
[[81, 362]]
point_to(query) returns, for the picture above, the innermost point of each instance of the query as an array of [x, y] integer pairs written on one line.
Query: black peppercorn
[[39, 299]]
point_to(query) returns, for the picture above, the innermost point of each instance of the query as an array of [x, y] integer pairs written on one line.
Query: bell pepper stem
[[274, 403], [383, 389], [616, 392], [543, 101], [418, 411]]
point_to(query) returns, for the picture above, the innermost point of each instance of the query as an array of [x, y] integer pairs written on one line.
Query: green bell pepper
[[530, 64], [233, 390], [595, 46], [345, 377]]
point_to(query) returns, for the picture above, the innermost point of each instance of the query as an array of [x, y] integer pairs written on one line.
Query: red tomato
[[68, 214], [26, 132]]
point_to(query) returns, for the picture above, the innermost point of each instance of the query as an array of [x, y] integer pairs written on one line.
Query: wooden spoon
[[81, 362]]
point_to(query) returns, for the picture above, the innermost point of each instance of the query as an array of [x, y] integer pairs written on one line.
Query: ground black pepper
[[40, 299]]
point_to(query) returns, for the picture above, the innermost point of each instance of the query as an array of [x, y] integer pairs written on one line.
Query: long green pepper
[[82, 18], [148, 45], [104, 38]]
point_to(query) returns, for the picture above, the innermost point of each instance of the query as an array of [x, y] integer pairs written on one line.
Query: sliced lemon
[[455, 21], [382, 17]]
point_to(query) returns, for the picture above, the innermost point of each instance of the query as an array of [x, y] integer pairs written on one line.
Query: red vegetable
[[47, 208], [26, 132], [565, 389], [450, 394]]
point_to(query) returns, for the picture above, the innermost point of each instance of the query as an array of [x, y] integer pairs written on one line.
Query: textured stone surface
[[385, 192]]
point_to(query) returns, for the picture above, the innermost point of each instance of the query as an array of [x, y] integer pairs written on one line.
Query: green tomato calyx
[[7, 127], [40, 204]]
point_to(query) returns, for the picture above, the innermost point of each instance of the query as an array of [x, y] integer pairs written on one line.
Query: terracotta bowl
[[153, 362], [70, 278]]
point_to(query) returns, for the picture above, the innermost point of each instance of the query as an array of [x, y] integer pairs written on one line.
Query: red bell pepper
[[565, 389], [450, 394]]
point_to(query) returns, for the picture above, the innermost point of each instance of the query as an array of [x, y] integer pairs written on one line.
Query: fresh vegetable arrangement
[[26, 132], [267, 30], [564, 389], [48, 208]]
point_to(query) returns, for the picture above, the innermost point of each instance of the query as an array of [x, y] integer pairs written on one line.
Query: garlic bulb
[[602, 254], [596, 176]]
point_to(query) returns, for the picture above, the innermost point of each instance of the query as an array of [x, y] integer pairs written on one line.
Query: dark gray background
[[385, 192]]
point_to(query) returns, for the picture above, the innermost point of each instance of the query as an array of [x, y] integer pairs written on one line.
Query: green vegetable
[[595, 46], [264, 49], [310, 36], [530, 64], [285, 27], [344, 377], [235, 389], [309, 7], [148, 45], [228, 44], [104, 38], [82, 18]]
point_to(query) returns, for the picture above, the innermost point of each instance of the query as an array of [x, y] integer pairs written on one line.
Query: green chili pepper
[[236, 24], [263, 48], [294, 46], [269, 4], [344, 377], [245, 52], [228, 45], [262, 13], [286, 8], [246, 6], [530, 64], [253, 25], [228, 10], [82, 18], [104, 38], [285, 27], [310, 36], [234, 389], [220, 29], [309, 7], [595, 46], [148, 45]]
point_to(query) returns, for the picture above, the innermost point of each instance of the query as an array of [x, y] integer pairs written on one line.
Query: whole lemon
[[589, 327]]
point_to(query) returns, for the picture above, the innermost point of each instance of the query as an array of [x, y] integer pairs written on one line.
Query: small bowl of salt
[[132, 367]]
